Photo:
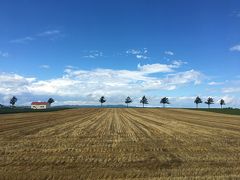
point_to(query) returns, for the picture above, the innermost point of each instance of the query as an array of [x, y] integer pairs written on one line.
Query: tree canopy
[[13, 100], [51, 100], [197, 101], [164, 101], [144, 100], [209, 101], [128, 100], [102, 100], [222, 102]]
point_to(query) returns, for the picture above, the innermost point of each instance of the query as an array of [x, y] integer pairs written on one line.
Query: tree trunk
[[101, 104], [197, 105], [208, 106], [127, 105], [221, 106], [143, 105]]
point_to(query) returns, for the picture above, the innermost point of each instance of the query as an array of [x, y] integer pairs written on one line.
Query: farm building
[[40, 105]]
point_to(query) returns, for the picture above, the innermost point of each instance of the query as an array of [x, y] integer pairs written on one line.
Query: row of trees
[[209, 101], [165, 101], [143, 101], [128, 100]]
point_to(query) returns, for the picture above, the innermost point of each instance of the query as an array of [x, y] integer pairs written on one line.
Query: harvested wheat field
[[120, 144]]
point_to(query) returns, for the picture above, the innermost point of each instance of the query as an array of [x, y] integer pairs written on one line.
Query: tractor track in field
[[120, 143]]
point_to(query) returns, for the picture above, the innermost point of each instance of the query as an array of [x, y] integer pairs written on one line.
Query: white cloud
[[4, 54], [231, 86], [185, 77], [134, 52], [231, 100], [169, 53], [157, 68], [160, 68], [213, 83], [71, 67], [93, 83], [138, 53], [178, 63], [141, 56], [45, 66], [235, 48], [93, 54], [78, 86], [231, 90], [14, 84]]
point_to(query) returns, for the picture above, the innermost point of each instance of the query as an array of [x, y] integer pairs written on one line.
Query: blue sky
[[76, 51]]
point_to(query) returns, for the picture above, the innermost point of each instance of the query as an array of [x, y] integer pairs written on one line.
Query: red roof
[[39, 103]]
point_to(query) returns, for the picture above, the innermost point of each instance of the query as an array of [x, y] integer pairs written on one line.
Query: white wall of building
[[39, 106]]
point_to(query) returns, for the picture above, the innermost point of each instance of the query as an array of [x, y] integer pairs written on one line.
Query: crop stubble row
[[119, 143]]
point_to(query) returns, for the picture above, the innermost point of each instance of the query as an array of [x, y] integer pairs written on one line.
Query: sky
[[79, 50]]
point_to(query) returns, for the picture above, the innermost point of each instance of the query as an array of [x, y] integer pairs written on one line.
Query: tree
[[102, 100], [209, 102], [197, 101], [128, 100], [164, 101], [222, 102], [144, 100], [50, 101], [13, 100]]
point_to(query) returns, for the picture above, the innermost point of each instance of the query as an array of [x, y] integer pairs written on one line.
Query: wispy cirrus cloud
[[23, 40], [235, 14], [93, 54], [169, 53], [51, 34], [138, 53], [45, 66]]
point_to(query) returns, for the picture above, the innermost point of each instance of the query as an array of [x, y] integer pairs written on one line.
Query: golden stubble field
[[120, 144]]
